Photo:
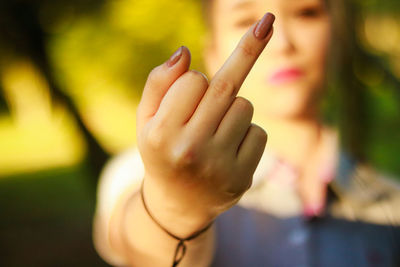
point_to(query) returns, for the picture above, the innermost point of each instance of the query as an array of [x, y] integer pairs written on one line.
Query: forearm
[[146, 244]]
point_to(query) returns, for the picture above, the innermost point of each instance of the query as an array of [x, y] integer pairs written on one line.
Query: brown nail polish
[[264, 26], [175, 57]]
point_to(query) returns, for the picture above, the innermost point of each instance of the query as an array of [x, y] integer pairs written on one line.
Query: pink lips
[[285, 75]]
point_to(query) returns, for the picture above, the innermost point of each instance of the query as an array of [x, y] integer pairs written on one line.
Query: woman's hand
[[195, 137]]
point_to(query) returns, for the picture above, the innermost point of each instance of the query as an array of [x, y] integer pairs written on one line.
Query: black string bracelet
[[181, 247]]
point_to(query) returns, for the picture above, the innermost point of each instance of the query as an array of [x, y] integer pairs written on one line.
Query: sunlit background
[[71, 75]]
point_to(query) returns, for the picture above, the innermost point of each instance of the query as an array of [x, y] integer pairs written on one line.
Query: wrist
[[179, 216]]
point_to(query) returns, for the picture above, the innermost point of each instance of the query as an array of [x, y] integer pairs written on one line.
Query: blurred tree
[[360, 75], [22, 34], [3, 103]]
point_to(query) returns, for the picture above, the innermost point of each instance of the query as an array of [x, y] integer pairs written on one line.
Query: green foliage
[[123, 42]]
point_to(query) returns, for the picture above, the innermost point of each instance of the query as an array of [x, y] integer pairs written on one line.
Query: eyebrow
[[239, 4]]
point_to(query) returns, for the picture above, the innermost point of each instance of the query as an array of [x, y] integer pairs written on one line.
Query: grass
[[46, 218]]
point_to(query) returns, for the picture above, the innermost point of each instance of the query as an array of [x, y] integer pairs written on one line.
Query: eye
[[310, 12], [245, 22]]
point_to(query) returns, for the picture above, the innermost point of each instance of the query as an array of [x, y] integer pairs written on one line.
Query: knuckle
[[206, 169], [154, 74], [184, 156], [246, 183], [250, 183], [155, 137], [248, 50], [223, 88], [155, 140], [259, 133], [244, 105], [197, 77], [236, 189]]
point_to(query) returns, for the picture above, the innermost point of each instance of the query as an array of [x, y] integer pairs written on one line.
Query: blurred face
[[288, 77]]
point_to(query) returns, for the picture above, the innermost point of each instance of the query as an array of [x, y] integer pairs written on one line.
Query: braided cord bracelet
[[181, 247]]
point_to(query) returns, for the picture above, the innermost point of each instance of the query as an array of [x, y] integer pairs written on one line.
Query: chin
[[290, 101]]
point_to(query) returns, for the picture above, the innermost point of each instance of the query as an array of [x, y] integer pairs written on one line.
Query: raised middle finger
[[226, 83]]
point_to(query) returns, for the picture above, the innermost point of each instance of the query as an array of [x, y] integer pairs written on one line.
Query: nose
[[282, 41]]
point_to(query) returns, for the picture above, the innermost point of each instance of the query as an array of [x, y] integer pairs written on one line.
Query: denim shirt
[[360, 227]]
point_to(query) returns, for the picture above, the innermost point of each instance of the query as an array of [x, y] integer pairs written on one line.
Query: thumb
[[158, 82]]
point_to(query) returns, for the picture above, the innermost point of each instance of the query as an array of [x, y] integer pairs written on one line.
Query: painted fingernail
[[264, 26], [175, 57]]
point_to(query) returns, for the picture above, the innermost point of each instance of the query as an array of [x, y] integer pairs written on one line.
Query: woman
[[309, 204]]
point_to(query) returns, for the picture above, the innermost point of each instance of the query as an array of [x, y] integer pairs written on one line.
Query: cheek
[[225, 40], [313, 44]]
